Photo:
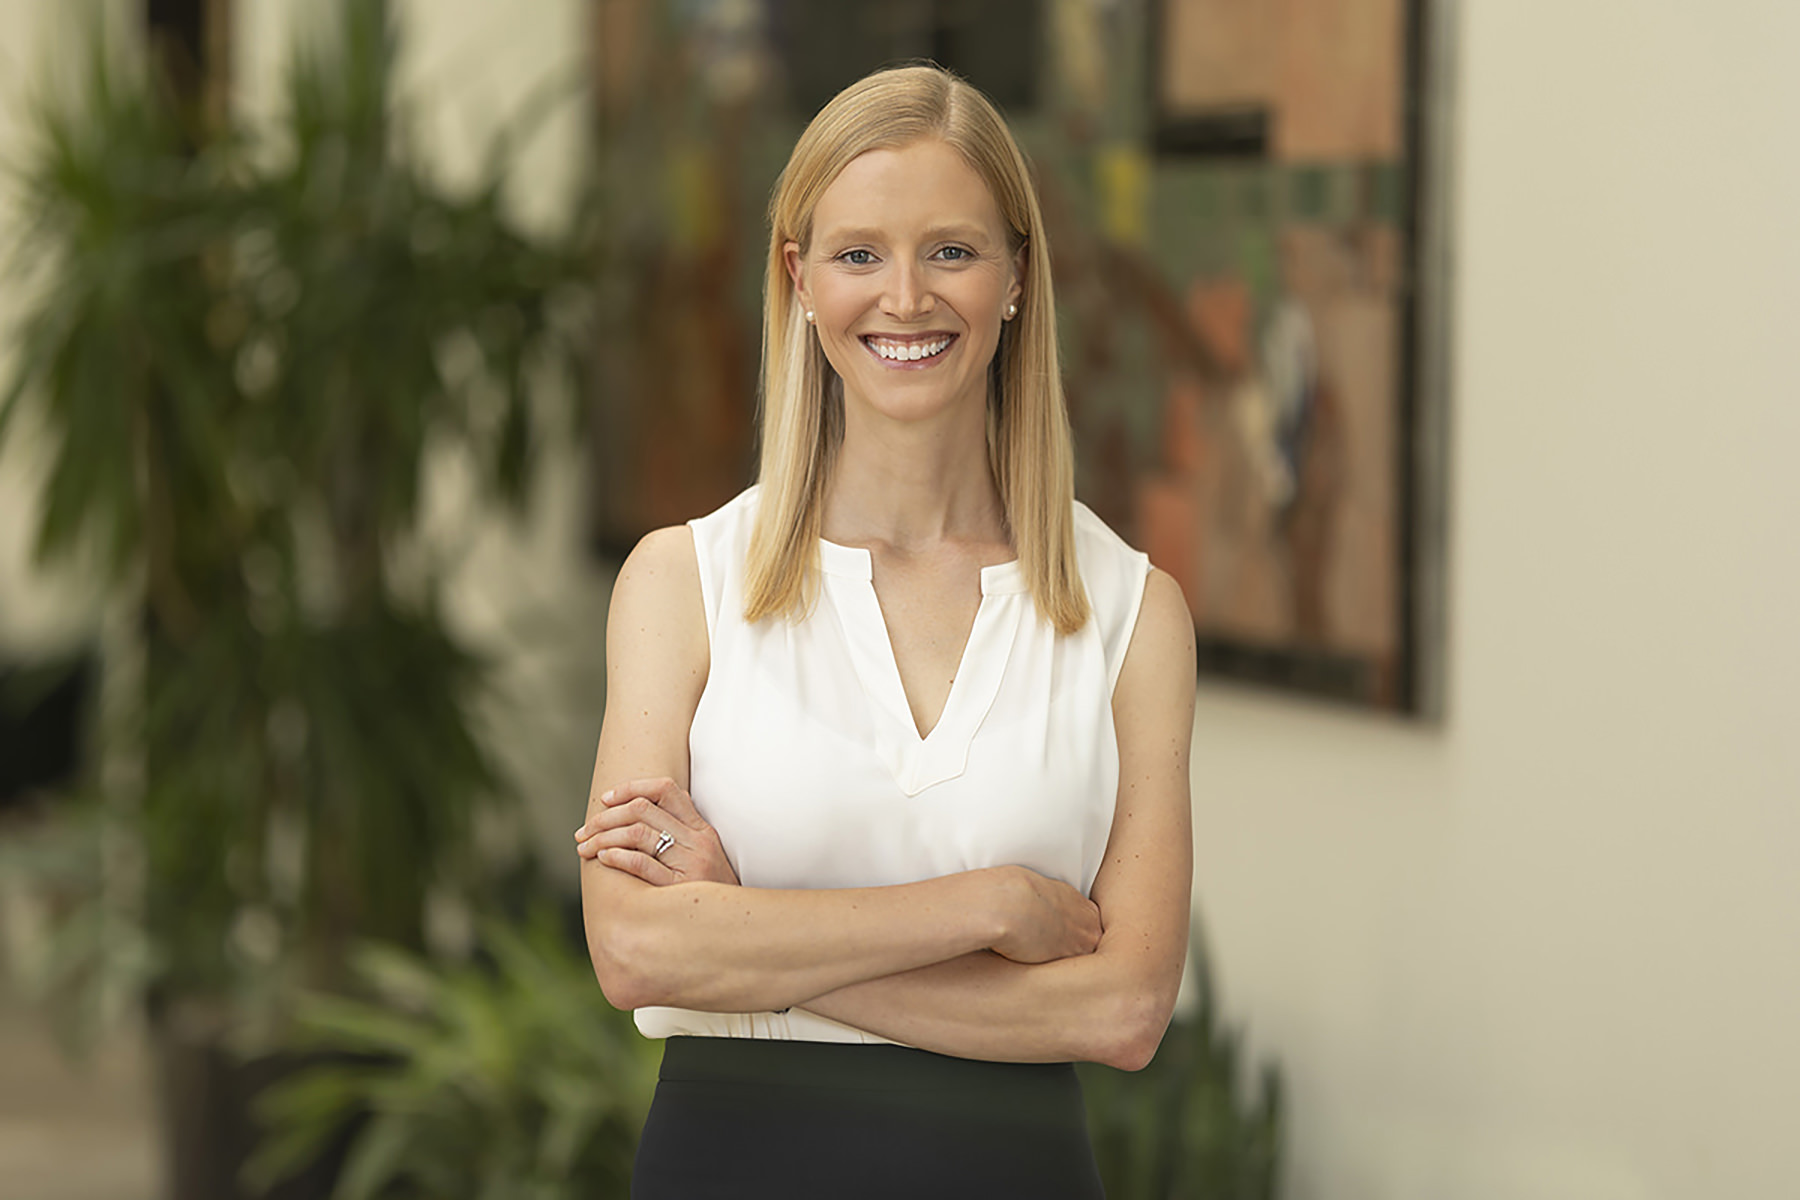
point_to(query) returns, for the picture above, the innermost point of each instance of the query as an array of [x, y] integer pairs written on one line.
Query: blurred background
[[1439, 349]]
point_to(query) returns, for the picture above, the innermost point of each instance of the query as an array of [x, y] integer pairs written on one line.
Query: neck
[[913, 485]]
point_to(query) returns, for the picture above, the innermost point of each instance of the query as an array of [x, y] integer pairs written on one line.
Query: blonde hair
[[802, 397]]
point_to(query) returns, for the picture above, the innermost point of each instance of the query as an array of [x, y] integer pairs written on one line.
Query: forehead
[[924, 184]]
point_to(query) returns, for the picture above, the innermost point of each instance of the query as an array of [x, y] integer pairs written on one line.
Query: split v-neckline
[[917, 760]]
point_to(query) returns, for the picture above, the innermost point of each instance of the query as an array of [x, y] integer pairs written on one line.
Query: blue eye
[[857, 258], [956, 253]]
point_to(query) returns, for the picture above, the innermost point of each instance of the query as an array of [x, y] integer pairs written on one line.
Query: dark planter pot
[[206, 1097]]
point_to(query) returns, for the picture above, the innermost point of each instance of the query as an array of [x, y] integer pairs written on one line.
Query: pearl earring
[[809, 316], [1012, 310]]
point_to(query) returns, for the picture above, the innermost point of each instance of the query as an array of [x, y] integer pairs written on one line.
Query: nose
[[908, 295]]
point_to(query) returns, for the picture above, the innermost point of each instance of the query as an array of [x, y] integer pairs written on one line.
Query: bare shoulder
[[663, 561], [656, 663], [657, 608], [1162, 644], [1165, 612]]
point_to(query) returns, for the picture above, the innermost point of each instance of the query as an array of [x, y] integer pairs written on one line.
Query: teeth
[[908, 351]]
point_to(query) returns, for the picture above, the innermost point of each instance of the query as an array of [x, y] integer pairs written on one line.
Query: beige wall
[[1553, 950]]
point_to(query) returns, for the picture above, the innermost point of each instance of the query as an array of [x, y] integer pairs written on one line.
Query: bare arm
[[709, 945], [1111, 1006]]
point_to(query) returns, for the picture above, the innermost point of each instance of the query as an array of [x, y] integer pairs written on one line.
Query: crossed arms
[[998, 964]]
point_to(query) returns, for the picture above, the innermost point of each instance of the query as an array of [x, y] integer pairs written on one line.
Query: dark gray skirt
[[743, 1117]]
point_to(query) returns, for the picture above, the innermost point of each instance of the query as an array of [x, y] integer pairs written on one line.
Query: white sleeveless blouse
[[804, 756]]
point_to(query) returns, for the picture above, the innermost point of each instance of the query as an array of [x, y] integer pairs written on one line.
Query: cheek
[[983, 298], [835, 306], [836, 312]]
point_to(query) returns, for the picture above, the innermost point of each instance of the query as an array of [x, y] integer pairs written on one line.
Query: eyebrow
[[964, 233]]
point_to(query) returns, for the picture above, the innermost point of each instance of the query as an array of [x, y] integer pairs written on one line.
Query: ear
[[790, 254], [1021, 258]]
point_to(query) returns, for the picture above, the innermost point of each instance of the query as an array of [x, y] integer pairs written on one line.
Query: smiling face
[[908, 275]]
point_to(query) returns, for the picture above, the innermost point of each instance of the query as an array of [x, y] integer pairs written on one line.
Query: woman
[[890, 813]]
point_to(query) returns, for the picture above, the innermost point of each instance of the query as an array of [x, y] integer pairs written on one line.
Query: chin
[[914, 396]]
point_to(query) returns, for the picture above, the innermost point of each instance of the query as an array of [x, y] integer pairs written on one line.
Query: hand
[[632, 818], [1045, 919]]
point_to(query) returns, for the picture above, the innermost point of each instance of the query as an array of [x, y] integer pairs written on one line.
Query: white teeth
[[908, 351]]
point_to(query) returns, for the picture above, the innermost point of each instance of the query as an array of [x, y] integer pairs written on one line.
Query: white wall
[[1553, 949]]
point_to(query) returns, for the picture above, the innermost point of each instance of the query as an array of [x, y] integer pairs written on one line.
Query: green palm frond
[[507, 1076], [242, 355]]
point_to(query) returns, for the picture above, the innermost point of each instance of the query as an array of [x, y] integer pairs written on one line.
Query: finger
[[636, 862], [678, 804], [669, 796], [663, 792], [639, 811], [651, 788], [660, 791], [631, 837], [607, 838], [598, 806]]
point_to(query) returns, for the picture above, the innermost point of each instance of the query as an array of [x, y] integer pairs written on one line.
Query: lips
[[901, 351]]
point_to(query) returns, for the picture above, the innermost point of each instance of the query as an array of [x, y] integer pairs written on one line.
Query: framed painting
[[1244, 200], [1287, 468]]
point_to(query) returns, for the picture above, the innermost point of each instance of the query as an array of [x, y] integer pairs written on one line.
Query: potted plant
[[497, 1077], [245, 348]]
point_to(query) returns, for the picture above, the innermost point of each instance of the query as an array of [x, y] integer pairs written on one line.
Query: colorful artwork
[[1266, 451], [1237, 198]]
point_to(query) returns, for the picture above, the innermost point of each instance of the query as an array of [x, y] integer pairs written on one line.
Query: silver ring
[[664, 840]]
